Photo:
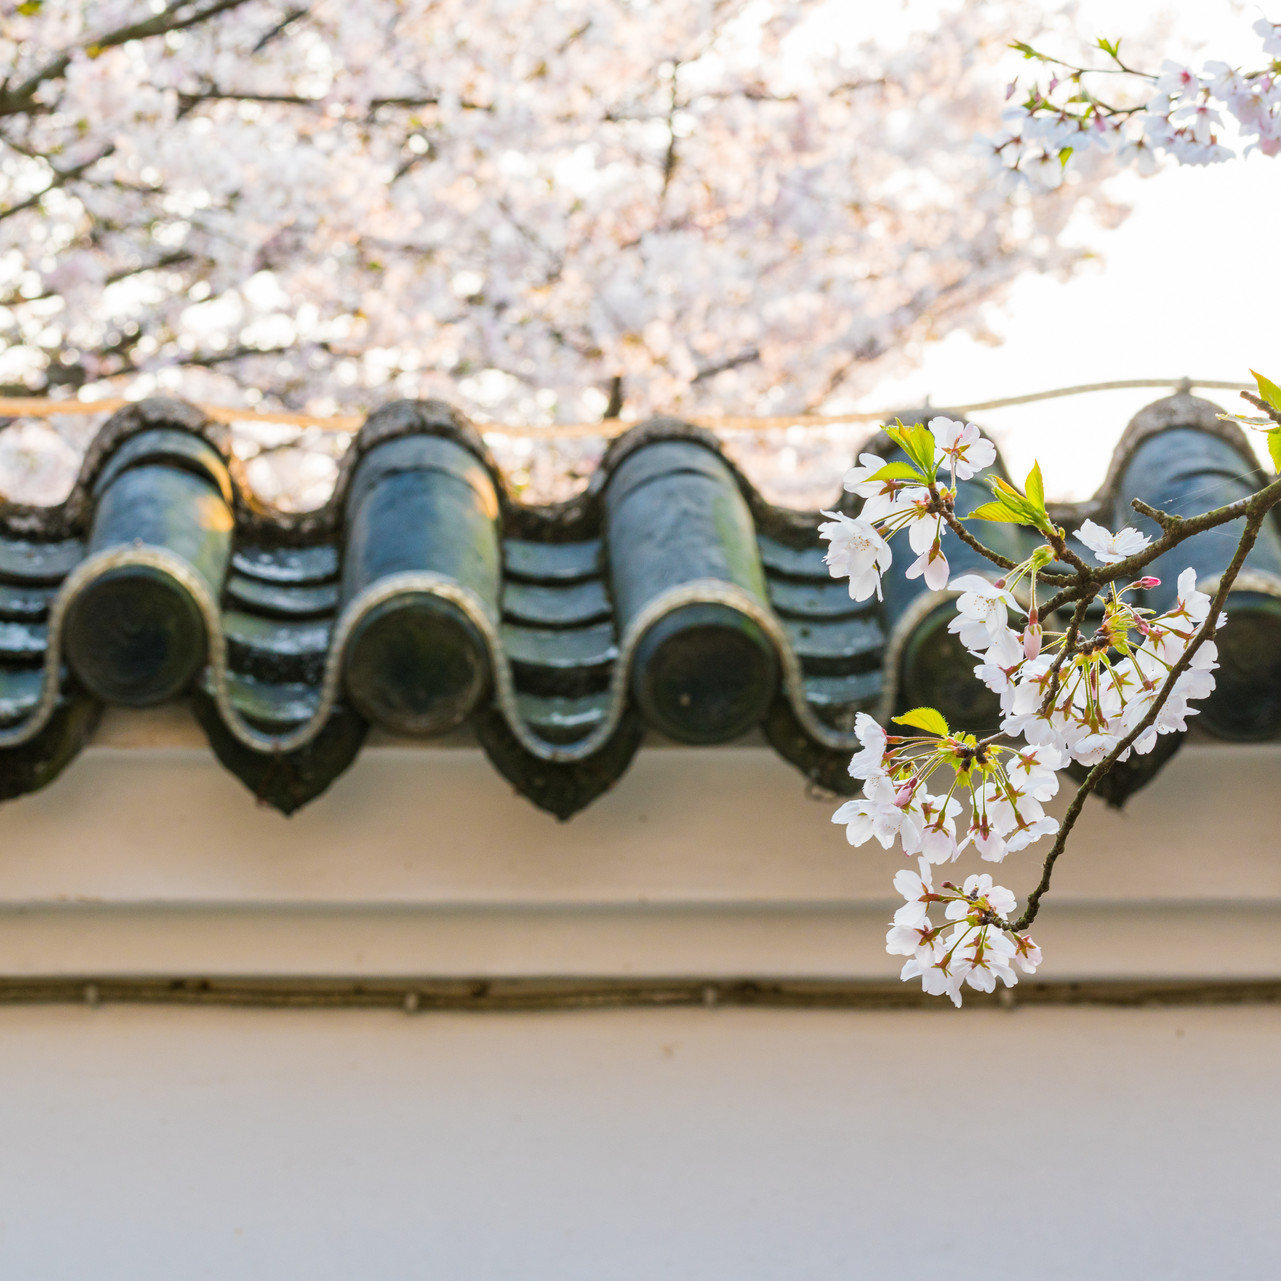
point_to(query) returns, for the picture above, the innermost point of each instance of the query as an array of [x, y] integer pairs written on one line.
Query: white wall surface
[[698, 1145], [150, 859]]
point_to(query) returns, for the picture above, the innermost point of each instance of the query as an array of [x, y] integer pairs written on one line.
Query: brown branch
[[950, 519], [1260, 403], [1065, 553], [214, 93], [60, 178], [746, 357], [169, 260], [20, 100], [1069, 643], [1176, 530], [283, 25], [669, 157]]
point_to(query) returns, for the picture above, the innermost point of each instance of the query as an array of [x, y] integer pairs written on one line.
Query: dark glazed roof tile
[[805, 563], [19, 693], [541, 605], [24, 604], [571, 562], [29, 562], [669, 593], [292, 565], [572, 649], [283, 600], [22, 642], [274, 705], [826, 599]]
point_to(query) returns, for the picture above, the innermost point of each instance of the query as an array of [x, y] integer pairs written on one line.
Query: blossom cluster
[[1084, 696], [1183, 113], [1067, 693], [968, 947], [1004, 788], [535, 211], [903, 496]]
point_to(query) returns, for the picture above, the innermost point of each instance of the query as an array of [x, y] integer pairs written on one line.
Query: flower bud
[[903, 797], [999, 584], [1148, 582], [1032, 639]]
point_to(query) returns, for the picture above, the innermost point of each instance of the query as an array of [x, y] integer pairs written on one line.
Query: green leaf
[[1010, 497], [1035, 486], [30, 7], [996, 511], [897, 471], [925, 718], [1268, 390], [1274, 447], [918, 444]]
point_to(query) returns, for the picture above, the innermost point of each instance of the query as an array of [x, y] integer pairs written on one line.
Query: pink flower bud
[[999, 584], [1143, 626], [1032, 640], [1148, 582], [903, 797]]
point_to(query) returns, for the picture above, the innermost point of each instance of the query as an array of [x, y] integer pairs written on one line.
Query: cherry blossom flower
[[917, 889], [879, 814], [983, 956], [937, 975], [856, 552], [931, 565], [982, 612], [878, 495], [1108, 548], [1027, 956], [1271, 33], [983, 896], [870, 761], [961, 447]]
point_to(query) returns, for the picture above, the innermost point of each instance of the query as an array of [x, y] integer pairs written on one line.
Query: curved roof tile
[[669, 595]]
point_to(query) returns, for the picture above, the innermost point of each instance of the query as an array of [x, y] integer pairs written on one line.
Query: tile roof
[[669, 596]]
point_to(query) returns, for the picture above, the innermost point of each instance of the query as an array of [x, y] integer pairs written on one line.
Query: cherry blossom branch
[[1176, 529], [950, 519], [1181, 114], [193, 98], [1069, 647], [21, 99], [1121, 69], [60, 178], [169, 260], [1256, 511]]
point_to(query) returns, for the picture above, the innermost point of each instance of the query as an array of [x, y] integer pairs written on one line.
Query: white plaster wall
[[182, 1144], [152, 860]]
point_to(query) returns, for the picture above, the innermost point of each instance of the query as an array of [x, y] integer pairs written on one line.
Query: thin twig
[[1069, 643]]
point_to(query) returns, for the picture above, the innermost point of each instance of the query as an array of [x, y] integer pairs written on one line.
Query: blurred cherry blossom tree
[[542, 212]]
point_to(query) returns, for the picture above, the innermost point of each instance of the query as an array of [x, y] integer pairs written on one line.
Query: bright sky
[[1189, 284]]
